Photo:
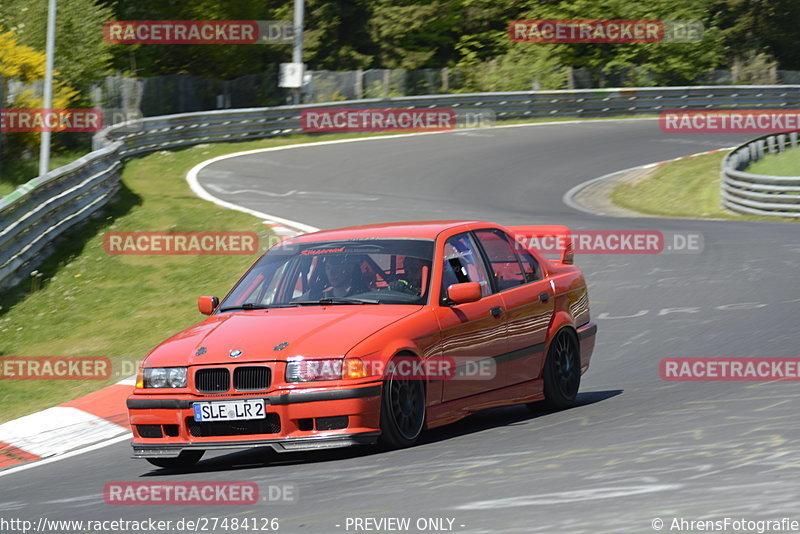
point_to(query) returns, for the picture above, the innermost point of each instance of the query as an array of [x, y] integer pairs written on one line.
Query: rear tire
[[183, 460], [402, 407], [562, 371]]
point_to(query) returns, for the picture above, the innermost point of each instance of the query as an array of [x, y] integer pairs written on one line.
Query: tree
[[336, 36], [651, 63], [81, 56], [753, 27], [23, 63], [225, 61]]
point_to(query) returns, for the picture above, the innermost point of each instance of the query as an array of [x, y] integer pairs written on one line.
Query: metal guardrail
[[34, 215], [760, 194]]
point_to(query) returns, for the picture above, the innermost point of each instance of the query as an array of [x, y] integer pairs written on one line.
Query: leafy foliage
[[25, 64], [81, 54], [469, 36]]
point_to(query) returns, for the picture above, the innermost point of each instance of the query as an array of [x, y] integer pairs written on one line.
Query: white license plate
[[229, 410]]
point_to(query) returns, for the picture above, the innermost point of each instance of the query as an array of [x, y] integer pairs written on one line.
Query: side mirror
[[207, 305], [466, 292]]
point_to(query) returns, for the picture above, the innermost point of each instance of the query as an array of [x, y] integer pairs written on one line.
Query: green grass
[[685, 188], [94, 304], [15, 172], [783, 164]]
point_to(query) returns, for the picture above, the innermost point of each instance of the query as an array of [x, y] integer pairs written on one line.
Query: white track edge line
[[569, 196], [194, 183], [197, 189]]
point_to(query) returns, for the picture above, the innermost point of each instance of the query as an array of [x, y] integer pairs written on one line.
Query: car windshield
[[373, 271]]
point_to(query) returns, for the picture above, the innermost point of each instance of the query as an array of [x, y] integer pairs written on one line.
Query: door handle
[[544, 297], [496, 312]]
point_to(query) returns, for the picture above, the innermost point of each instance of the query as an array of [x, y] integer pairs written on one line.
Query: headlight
[[311, 370], [164, 377], [353, 368]]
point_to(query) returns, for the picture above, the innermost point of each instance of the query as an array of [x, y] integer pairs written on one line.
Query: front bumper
[[296, 421]]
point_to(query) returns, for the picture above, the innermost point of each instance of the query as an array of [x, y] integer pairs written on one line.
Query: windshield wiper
[[336, 300], [253, 306]]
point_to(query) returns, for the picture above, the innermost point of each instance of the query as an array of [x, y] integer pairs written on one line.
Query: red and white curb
[[89, 422], [86, 421], [650, 165], [282, 231], [101, 418]]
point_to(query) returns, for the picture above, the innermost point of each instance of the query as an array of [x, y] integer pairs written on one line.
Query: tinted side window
[[503, 260], [530, 266], [463, 263]]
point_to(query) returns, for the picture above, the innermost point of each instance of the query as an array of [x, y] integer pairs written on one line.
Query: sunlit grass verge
[[94, 304], [684, 188], [120, 307], [16, 171], [783, 164]]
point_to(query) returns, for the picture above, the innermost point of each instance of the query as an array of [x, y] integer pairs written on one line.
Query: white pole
[[44, 149], [297, 51]]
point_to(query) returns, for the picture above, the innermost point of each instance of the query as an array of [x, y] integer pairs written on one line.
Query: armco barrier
[[760, 194], [35, 214]]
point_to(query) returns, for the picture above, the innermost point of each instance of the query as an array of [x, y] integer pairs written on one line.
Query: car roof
[[396, 230]]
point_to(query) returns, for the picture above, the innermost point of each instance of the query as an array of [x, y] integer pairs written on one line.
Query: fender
[[560, 320]]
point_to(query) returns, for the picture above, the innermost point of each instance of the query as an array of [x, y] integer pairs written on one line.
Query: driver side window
[[463, 263]]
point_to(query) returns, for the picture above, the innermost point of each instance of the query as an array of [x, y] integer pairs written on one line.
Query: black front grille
[[250, 378], [332, 423], [206, 429], [305, 424], [212, 380], [149, 431]]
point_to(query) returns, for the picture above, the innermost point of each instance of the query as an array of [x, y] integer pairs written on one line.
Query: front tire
[[402, 407], [562, 371], [183, 460]]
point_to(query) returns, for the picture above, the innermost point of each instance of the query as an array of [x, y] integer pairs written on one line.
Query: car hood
[[308, 331]]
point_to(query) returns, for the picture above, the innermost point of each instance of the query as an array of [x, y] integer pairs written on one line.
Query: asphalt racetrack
[[636, 448]]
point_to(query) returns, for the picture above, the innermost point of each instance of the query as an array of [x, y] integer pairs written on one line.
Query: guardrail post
[[77, 190], [757, 194]]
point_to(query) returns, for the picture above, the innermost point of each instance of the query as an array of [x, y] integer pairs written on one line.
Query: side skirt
[[451, 411]]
